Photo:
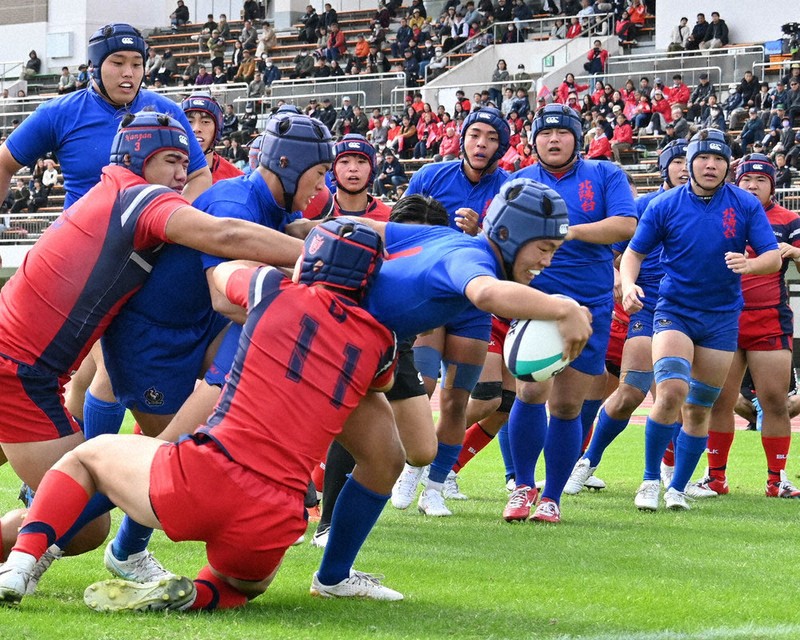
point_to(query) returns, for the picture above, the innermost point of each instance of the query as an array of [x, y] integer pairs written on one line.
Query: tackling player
[[308, 353], [704, 227]]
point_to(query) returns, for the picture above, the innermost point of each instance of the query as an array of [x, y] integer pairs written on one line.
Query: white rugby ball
[[532, 350]]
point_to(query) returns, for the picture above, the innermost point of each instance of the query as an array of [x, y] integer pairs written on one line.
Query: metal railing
[[372, 87]]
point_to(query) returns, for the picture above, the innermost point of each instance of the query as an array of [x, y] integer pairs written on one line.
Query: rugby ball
[[532, 350]]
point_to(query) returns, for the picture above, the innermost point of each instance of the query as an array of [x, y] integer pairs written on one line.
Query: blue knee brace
[[460, 375], [702, 394], [672, 368], [427, 360], [641, 380]]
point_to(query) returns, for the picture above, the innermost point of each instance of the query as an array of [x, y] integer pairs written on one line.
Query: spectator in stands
[[329, 16], [33, 67], [191, 71], [794, 72], [596, 60], [763, 100], [699, 97], [402, 38], [38, 196], [600, 146], [459, 32], [678, 94], [257, 87], [223, 27], [661, 113], [50, 175], [626, 30], [521, 103], [522, 79], [669, 136], [152, 65], [778, 119], [267, 41], [716, 119], [733, 101], [752, 130], [717, 34], [410, 68], [622, 140], [499, 76], [303, 65], [271, 72], [346, 110], [680, 36], [450, 144], [783, 175], [216, 49], [567, 86], [415, 21], [698, 34], [248, 36], [237, 55], [179, 17], [508, 100], [230, 122], [247, 69], [336, 46], [250, 10], [390, 175], [310, 22], [321, 68], [407, 138], [574, 29], [360, 123], [205, 33], [82, 81], [559, 30], [793, 100], [248, 122], [219, 76], [749, 88], [169, 68], [638, 13], [19, 197], [67, 83], [641, 114]]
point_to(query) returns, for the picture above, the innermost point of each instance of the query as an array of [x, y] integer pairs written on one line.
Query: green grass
[[727, 569]]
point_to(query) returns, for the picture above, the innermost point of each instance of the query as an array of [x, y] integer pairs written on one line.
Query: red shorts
[[500, 328], [246, 520], [33, 405], [766, 329], [619, 333]]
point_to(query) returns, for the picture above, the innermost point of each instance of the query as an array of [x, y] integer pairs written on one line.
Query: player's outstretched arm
[[8, 167], [629, 268], [232, 238], [196, 183], [512, 300], [606, 231]]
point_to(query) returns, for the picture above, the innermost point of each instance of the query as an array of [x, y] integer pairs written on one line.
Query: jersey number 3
[[301, 349]]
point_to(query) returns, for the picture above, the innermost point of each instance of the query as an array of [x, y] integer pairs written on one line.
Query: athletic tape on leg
[[672, 368], [460, 375], [702, 394], [641, 380], [427, 361]]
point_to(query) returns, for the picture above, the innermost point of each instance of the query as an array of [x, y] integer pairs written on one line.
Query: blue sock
[[588, 414], [656, 439], [98, 505], [675, 433], [604, 433], [354, 515], [131, 538], [562, 448], [527, 428], [688, 450], [505, 451], [446, 457], [101, 417]]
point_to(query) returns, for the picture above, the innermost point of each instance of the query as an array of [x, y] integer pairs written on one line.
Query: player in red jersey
[[765, 346], [310, 342], [85, 267], [353, 173], [205, 116]]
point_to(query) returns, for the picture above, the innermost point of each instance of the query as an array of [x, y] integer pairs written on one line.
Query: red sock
[[59, 501], [475, 439], [719, 446], [318, 476], [669, 455], [588, 439], [215, 593], [777, 450]]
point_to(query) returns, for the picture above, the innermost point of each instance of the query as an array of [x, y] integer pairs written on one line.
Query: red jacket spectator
[[661, 105], [451, 144], [336, 41], [678, 93], [600, 147], [569, 85], [623, 133], [637, 12], [574, 29]]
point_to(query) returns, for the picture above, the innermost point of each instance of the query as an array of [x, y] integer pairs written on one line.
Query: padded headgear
[[495, 119], [145, 135], [110, 39], [342, 253], [524, 210], [707, 141], [558, 116], [355, 143], [292, 144], [255, 151], [206, 103], [756, 163], [675, 149]]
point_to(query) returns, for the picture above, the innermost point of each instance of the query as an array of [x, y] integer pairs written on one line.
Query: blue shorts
[[641, 324], [592, 360], [471, 323], [153, 368], [218, 372], [713, 330]]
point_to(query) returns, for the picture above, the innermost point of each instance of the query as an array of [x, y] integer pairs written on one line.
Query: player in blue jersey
[[79, 128], [458, 349], [704, 227], [601, 212], [636, 370]]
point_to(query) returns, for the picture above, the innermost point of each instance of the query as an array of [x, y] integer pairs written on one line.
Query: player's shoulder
[[599, 168], [740, 198], [781, 215], [236, 190], [437, 170]]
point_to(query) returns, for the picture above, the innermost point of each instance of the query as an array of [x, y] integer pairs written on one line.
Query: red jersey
[[376, 210], [765, 291], [74, 280], [306, 358], [321, 205], [221, 169]]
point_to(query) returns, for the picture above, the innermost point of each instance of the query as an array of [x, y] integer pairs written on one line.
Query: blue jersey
[[695, 236], [422, 283], [593, 190], [447, 182], [80, 127]]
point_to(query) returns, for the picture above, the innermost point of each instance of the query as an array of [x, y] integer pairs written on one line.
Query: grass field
[[727, 569]]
